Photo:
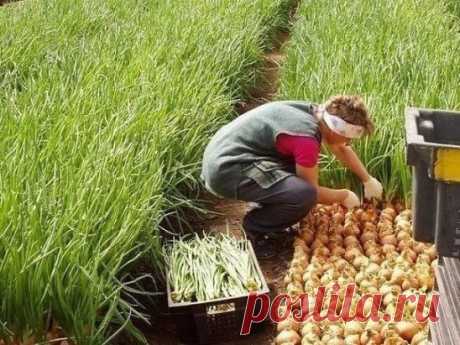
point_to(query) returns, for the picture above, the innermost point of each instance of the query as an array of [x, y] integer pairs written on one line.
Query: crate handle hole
[[220, 308]]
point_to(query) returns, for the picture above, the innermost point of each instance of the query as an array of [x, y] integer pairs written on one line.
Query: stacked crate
[[433, 151], [447, 329]]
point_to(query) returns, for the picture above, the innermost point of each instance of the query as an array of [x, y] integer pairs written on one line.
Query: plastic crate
[[446, 331], [433, 151], [198, 323]]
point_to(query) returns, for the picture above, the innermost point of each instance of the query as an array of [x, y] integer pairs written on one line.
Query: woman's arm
[[372, 187], [350, 159]]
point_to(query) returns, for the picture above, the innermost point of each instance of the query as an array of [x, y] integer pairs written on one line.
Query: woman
[[269, 155]]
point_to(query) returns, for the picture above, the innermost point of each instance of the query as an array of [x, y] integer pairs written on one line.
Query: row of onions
[[368, 247]]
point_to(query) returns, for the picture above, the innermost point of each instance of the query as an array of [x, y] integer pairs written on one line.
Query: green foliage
[[104, 112], [394, 53]]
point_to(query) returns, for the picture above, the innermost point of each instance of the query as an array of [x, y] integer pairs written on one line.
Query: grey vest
[[246, 147]]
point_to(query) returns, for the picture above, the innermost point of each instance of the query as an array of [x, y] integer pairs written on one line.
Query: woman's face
[[331, 137]]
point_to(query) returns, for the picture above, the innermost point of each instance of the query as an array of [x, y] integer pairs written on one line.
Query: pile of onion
[[372, 248]]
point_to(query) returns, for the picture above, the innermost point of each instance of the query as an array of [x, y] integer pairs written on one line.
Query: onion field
[[105, 109], [394, 53]]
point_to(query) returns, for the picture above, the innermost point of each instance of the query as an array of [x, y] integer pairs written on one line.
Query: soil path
[[231, 212]]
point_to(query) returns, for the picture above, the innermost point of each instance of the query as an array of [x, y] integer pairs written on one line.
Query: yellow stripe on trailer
[[447, 165]]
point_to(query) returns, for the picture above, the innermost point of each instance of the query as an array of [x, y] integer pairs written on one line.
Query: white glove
[[351, 200], [373, 189]]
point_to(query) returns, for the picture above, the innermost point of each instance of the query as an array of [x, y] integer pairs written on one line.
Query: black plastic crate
[[446, 331], [199, 323], [433, 151]]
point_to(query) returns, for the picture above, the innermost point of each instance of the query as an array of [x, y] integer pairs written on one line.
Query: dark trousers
[[283, 204]]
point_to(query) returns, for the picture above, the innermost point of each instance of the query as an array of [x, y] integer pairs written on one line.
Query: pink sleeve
[[304, 150]]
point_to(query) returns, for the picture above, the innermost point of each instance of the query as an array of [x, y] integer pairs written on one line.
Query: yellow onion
[[353, 327], [353, 339], [308, 236], [407, 329], [389, 239], [403, 235], [373, 250], [398, 276], [431, 251], [351, 229], [360, 261], [376, 258], [317, 244], [369, 244], [310, 328], [395, 341], [338, 251], [374, 325], [419, 338], [409, 255], [388, 288], [288, 324], [371, 337], [368, 235], [349, 240], [388, 248], [369, 226], [322, 251], [385, 273], [287, 336], [403, 244], [311, 338], [335, 330], [352, 254], [336, 341], [424, 258]]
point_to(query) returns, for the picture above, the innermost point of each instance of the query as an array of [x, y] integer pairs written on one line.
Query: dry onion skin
[[371, 247]]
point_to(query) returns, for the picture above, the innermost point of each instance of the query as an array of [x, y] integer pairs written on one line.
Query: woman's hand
[[351, 200], [373, 188]]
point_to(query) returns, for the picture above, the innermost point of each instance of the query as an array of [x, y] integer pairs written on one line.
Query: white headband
[[340, 126]]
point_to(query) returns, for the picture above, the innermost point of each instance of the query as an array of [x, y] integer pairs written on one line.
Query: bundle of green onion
[[209, 267]]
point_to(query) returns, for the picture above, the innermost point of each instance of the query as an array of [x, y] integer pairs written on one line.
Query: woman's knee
[[304, 195]]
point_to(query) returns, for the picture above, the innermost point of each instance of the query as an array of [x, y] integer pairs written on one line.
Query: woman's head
[[350, 109]]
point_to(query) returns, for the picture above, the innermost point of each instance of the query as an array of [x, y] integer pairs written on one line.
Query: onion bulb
[[353, 327], [431, 251], [287, 324], [371, 337], [398, 276], [407, 329], [287, 336], [308, 236], [349, 240], [395, 341], [352, 339], [389, 239], [310, 328], [351, 254], [336, 341], [368, 236], [419, 338]]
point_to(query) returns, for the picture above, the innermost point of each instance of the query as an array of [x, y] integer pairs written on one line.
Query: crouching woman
[[269, 155]]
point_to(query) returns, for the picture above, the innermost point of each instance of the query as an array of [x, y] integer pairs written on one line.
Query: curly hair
[[350, 109]]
